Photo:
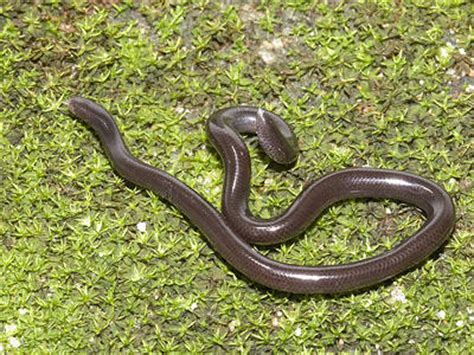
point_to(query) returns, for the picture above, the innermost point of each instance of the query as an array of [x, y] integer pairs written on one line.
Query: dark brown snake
[[231, 232]]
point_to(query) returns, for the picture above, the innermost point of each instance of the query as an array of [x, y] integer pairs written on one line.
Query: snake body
[[231, 231]]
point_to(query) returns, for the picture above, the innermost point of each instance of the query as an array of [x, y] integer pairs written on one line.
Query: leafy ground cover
[[90, 263]]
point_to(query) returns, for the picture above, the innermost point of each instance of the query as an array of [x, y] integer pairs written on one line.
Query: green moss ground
[[386, 84]]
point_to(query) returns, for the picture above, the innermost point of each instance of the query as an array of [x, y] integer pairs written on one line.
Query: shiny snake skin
[[231, 232]]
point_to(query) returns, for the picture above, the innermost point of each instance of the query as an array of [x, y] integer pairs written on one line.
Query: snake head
[[94, 115], [276, 138]]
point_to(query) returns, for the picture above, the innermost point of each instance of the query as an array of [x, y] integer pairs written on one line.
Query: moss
[[385, 84]]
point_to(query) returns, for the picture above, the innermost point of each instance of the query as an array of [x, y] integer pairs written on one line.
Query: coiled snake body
[[231, 232]]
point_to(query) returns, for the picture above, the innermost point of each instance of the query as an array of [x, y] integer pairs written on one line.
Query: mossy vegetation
[[91, 263]]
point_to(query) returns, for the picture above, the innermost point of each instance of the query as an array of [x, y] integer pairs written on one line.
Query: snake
[[234, 232]]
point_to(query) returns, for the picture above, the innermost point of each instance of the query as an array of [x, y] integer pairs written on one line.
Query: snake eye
[[276, 138]]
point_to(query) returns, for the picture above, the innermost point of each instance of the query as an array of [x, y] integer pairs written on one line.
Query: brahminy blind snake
[[231, 231]]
